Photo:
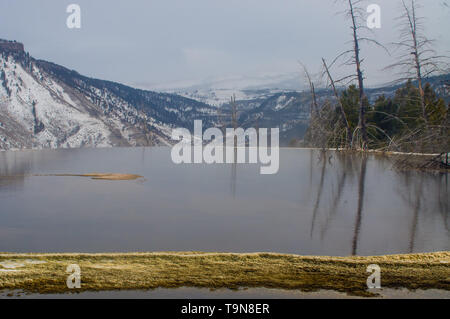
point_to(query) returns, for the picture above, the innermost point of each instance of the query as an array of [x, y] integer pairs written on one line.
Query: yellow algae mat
[[46, 273], [105, 176], [99, 176]]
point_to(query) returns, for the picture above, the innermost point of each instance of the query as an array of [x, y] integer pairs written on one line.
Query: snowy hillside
[[37, 112], [43, 105]]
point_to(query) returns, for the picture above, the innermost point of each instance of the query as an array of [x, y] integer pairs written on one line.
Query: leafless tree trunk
[[410, 14], [417, 60], [257, 130], [356, 14], [341, 107], [314, 109], [233, 112], [359, 74], [148, 134], [235, 124], [220, 121]]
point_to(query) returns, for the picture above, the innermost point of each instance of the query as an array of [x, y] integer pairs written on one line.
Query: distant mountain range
[[45, 105], [290, 111], [217, 91]]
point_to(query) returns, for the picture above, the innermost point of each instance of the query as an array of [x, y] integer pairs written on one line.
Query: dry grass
[[221, 270]]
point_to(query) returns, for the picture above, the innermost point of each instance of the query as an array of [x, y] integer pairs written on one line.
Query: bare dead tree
[[417, 58], [322, 132], [356, 14], [314, 108], [234, 122], [233, 111], [341, 107], [257, 130], [220, 122], [147, 134], [357, 62]]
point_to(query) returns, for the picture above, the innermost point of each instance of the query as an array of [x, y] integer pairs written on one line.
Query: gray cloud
[[171, 40]]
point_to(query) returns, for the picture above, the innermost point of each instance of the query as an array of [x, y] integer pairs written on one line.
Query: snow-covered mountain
[[217, 91], [44, 105]]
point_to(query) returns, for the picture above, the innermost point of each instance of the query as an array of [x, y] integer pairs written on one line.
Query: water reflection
[[233, 176], [323, 159], [345, 169], [359, 211], [13, 168], [320, 203], [424, 194]]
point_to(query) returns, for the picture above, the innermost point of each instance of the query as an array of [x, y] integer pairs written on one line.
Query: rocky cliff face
[[11, 46], [44, 105]]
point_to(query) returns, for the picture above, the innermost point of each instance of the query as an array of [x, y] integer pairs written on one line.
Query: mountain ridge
[[45, 105]]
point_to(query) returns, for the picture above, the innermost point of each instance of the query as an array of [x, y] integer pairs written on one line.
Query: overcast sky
[[159, 41]]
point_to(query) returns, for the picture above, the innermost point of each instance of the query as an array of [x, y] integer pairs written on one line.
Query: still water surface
[[316, 205]]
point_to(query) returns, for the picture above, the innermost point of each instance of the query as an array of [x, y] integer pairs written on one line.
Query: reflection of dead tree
[[443, 199], [416, 208], [438, 163], [422, 197], [311, 154], [361, 186], [319, 190], [346, 166], [233, 179]]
